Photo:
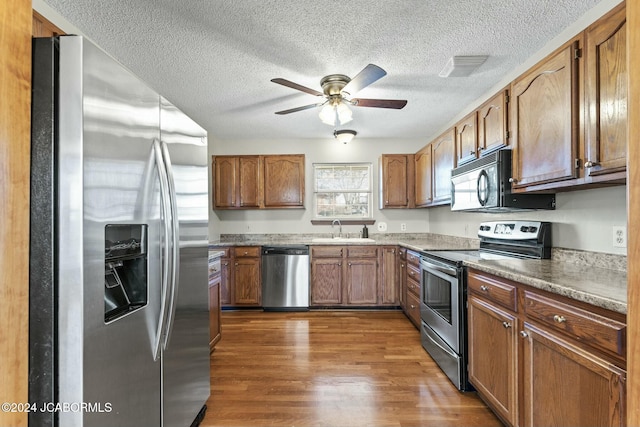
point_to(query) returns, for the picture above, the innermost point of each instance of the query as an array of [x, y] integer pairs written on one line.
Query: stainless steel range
[[444, 289]]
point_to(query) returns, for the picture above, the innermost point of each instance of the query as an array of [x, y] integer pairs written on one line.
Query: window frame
[[369, 191]]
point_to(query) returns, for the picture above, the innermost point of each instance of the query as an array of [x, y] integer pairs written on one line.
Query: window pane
[[342, 190], [342, 205], [343, 177]]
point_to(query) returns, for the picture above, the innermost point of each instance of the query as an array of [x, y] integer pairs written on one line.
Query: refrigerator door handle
[[166, 265], [173, 294]]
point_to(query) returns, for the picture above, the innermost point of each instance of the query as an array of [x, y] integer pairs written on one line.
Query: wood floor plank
[[331, 368]]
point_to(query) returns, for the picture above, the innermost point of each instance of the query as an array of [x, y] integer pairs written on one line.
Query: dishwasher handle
[[285, 250]]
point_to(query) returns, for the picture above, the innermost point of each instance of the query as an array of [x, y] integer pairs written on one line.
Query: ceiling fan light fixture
[[462, 66], [344, 135], [328, 114], [344, 113]]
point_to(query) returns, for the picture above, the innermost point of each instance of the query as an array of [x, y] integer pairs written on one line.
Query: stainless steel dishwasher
[[285, 278]]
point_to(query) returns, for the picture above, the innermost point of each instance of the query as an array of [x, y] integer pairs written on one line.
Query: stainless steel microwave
[[483, 185]]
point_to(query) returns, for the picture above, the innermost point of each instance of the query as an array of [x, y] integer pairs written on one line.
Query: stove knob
[[524, 229], [533, 229]]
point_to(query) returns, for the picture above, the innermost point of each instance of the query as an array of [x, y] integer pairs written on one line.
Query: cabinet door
[[492, 123], [423, 171], [326, 281], [249, 182], [493, 366], [389, 276], [568, 386], [606, 94], [42, 27], [394, 181], [225, 184], [362, 281], [246, 286], [283, 181], [467, 138], [214, 312], [226, 279], [443, 161], [544, 113]]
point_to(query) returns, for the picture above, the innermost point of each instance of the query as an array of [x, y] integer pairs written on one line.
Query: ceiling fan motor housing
[[333, 84]]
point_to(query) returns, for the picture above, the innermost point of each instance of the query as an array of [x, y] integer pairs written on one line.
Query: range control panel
[[513, 230]]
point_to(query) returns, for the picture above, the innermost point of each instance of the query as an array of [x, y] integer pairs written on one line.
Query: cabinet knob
[[484, 288], [246, 253], [413, 306], [559, 319], [524, 334], [393, 251], [401, 265], [236, 263], [506, 325], [589, 164], [349, 264], [339, 264], [225, 263], [513, 180], [386, 202]]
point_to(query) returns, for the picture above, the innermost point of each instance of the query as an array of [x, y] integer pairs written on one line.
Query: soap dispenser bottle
[[365, 232]]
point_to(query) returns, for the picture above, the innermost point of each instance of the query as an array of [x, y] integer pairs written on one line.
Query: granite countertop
[[602, 287], [593, 278]]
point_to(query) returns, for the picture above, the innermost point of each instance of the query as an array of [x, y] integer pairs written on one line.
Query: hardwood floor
[[331, 368]]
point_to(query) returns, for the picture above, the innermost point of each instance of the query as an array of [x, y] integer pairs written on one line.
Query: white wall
[[582, 220], [316, 151]]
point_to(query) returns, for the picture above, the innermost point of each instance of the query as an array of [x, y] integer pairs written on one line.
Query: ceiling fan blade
[[396, 104], [293, 85], [293, 110], [368, 75]]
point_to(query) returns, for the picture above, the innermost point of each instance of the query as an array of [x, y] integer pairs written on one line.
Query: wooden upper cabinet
[[284, 181], [256, 182], [443, 153], [544, 119], [606, 95], [423, 173], [42, 27], [397, 181], [492, 123], [467, 138]]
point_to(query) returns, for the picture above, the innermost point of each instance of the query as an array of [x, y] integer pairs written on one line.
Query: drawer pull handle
[[523, 334], [413, 306], [559, 319], [484, 288], [506, 325]]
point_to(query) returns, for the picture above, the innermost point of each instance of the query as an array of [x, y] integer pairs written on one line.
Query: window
[[342, 190]]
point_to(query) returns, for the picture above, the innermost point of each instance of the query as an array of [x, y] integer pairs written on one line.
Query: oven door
[[440, 302]]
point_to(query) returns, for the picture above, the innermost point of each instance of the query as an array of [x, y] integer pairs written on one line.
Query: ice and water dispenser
[[125, 269]]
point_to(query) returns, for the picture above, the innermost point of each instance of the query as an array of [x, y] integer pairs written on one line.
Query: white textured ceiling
[[215, 59]]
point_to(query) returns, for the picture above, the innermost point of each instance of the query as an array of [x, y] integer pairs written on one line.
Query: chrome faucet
[[339, 224]]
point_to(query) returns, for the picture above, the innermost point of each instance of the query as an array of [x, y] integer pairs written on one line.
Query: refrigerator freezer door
[[108, 121], [186, 384]]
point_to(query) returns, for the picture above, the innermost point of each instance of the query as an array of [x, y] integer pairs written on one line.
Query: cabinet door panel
[[225, 181], [389, 277], [249, 181], [226, 275], [544, 112], [606, 95], [395, 185], [492, 123], [362, 282], [567, 386], [247, 289], [326, 281], [467, 138], [493, 366], [443, 151], [283, 181], [423, 171]]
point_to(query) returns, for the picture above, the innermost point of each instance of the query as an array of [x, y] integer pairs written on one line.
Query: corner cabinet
[[396, 181], [258, 182], [544, 118], [541, 359]]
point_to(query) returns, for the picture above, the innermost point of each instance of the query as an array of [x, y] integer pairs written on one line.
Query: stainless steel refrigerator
[[119, 236]]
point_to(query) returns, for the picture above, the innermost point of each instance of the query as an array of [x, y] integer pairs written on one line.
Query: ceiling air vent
[[462, 66]]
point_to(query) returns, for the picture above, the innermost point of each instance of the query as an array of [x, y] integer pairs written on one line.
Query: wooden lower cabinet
[[411, 282], [538, 359], [362, 281], [566, 385], [326, 281], [215, 330], [493, 349], [389, 276], [240, 276]]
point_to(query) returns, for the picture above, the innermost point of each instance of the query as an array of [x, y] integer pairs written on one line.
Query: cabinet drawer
[[413, 309], [413, 259], [362, 251], [246, 251], [413, 272], [327, 251], [214, 268], [586, 327], [501, 293], [402, 252], [225, 249], [413, 287]]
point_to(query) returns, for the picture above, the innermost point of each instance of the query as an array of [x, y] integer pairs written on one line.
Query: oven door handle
[[437, 344], [447, 270]]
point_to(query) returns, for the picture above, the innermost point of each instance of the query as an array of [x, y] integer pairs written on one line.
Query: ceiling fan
[[336, 91]]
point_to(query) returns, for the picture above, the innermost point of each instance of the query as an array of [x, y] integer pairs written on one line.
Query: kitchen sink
[[342, 240]]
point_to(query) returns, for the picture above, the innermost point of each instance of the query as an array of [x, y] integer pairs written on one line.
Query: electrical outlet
[[403, 227], [619, 237]]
